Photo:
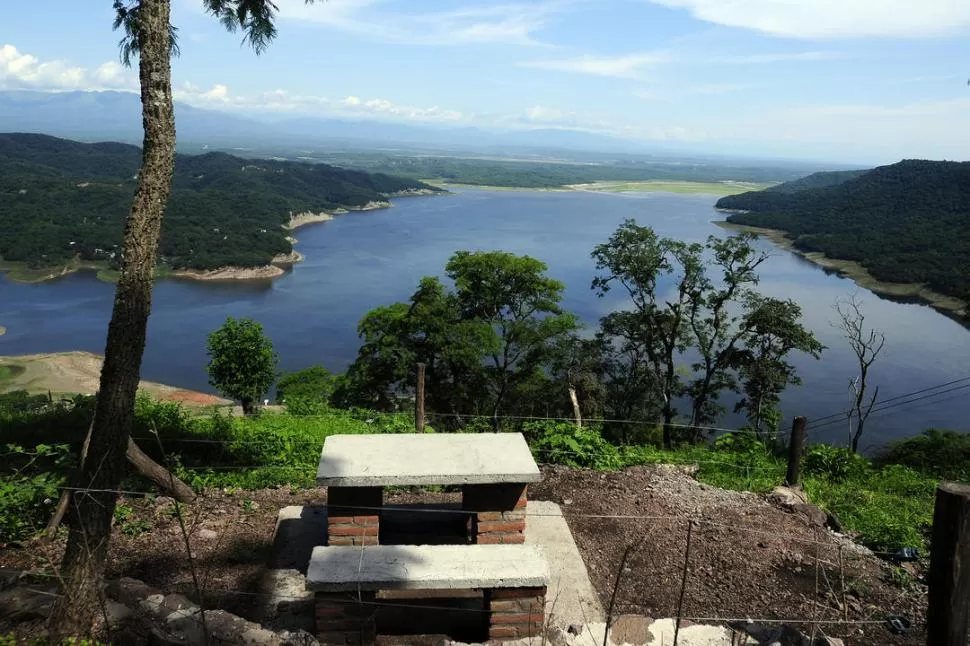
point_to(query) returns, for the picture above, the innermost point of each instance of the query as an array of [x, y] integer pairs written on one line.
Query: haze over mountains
[[116, 116]]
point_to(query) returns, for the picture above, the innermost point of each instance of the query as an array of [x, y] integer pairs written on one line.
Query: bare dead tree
[[866, 343]]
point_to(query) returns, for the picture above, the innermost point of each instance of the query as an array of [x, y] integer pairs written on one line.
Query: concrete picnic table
[[493, 469]]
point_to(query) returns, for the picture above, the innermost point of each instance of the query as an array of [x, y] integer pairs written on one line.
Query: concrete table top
[[426, 567], [381, 460]]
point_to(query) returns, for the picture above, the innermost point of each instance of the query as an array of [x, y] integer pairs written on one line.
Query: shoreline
[[913, 292], [18, 272]]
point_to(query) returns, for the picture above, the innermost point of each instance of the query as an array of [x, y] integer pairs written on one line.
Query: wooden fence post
[[948, 615], [796, 447], [419, 400]]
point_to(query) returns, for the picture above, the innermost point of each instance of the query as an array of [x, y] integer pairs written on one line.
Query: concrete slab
[[571, 598], [425, 459], [424, 567]]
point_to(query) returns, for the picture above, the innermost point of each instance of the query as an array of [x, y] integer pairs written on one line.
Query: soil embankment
[[64, 373]]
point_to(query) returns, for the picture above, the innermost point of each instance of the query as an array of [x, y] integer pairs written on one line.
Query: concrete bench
[[493, 469], [346, 580]]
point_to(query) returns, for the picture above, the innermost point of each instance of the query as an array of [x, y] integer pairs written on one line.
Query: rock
[[787, 497], [21, 603], [207, 534], [812, 513], [556, 636], [631, 629], [8, 577], [574, 629]]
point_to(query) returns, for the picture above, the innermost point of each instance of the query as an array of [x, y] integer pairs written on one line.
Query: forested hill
[[907, 223], [62, 199], [817, 180]]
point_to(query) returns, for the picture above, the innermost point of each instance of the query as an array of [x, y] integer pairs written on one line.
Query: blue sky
[[851, 80]]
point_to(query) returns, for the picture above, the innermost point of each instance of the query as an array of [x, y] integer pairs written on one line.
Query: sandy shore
[[948, 305], [80, 372]]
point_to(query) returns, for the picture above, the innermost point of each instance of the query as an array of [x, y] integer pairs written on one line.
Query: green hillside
[[62, 200], [905, 223]]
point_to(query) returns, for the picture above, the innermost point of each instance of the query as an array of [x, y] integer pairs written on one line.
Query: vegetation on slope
[[550, 174], [64, 200], [887, 504], [905, 223]]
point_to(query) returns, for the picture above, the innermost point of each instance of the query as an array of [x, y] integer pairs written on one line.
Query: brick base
[[515, 613], [499, 512], [353, 515], [345, 619]]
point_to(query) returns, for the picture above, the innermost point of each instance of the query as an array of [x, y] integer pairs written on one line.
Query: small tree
[[866, 344], [242, 363], [315, 384]]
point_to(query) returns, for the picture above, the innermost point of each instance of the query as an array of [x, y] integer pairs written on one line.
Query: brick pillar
[[499, 512], [346, 619], [353, 515], [515, 613]]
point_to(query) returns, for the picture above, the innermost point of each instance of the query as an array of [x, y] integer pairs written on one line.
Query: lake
[[363, 260]]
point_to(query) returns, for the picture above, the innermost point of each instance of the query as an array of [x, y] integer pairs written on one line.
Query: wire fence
[[827, 562]]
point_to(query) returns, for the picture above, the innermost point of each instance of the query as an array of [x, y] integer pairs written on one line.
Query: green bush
[[889, 508], [834, 462], [565, 443], [30, 487], [938, 453]]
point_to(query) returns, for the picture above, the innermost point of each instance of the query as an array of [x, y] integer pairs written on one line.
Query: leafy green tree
[[689, 302], [482, 341], [147, 34], [315, 384], [772, 331], [715, 324], [519, 304], [656, 328], [242, 363]]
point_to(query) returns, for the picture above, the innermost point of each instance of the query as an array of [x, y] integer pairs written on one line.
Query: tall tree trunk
[[90, 512]]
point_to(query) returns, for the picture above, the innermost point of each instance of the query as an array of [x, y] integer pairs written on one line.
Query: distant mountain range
[[116, 116], [907, 222]]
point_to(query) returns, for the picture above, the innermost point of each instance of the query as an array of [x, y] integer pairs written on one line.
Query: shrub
[[30, 488], [938, 453], [834, 462], [565, 443]]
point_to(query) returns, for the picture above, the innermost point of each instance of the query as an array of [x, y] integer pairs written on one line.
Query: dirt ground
[[80, 372], [748, 558]]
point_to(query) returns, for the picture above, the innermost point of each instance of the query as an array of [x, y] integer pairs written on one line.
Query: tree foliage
[[242, 363], [65, 199], [314, 384], [907, 223], [695, 329], [484, 341]]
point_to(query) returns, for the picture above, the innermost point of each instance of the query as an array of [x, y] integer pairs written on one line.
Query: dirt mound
[[748, 558]]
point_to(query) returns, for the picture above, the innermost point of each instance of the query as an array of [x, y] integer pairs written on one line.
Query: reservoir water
[[362, 260]]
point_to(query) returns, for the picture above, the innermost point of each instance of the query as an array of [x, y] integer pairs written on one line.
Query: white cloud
[[26, 72], [834, 18], [789, 57], [281, 101], [630, 66], [512, 23]]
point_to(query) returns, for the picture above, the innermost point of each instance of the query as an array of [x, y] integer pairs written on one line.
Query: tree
[[866, 344], [482, 342], [520, 305], [315, 384], [771, 332], [147, 35], [242, 363], [637, 260], [716, 331]]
